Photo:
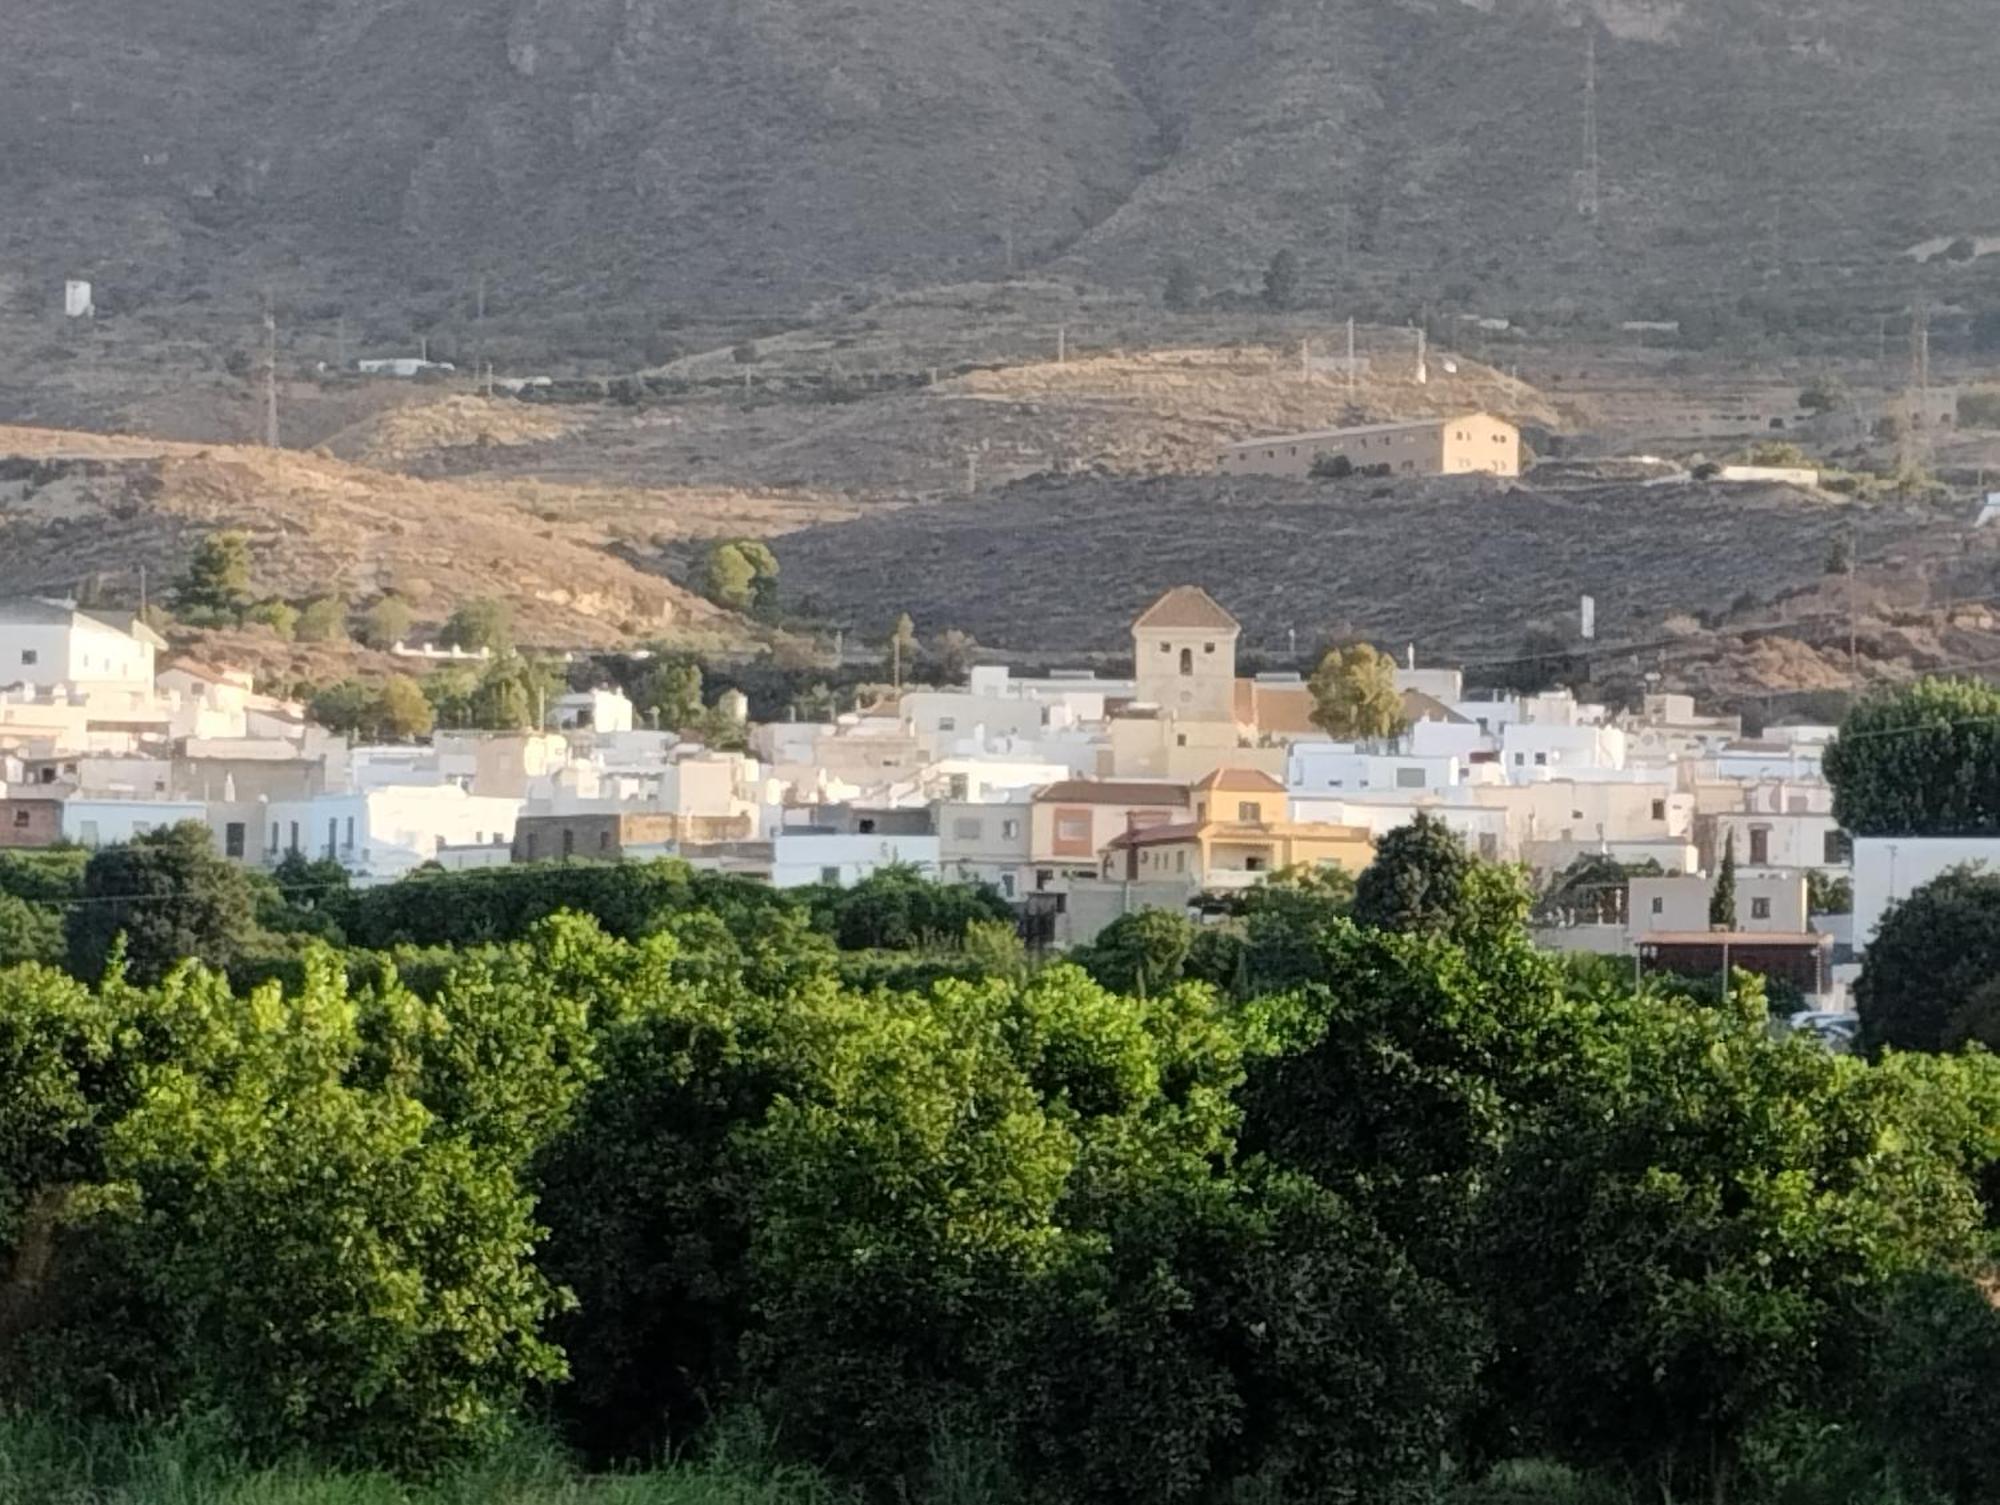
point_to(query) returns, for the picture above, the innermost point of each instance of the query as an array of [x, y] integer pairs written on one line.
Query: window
[[88, 834], [1760, 846], [1166, 647], [1253, 864], [1007, 886], [534, 846], [234, 839], [1249, 812], [1208, 647], [1180, 739], [1760, 909], [866, 826], [830, 876], [30, 656], [1010, 830], [1187, 660], [1180, 862], [350, 833], [20, 820], [1409, 778], [1837, 849], [603, 841], [1520, 760], [1073, 828], [947, 723], [295, 835], [568, 843], [968, 829], [1659, 905], [1541, 760], [274, 837], [1659, 809]]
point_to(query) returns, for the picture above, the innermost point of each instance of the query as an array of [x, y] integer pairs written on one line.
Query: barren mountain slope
[[75, 507], [739, 152]]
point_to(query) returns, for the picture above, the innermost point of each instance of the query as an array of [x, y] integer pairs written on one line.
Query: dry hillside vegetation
[[1462, 569], [1135, 411], [74, 506], [635, 154]]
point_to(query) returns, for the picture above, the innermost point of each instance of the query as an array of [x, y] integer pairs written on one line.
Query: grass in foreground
[[46, 1462]]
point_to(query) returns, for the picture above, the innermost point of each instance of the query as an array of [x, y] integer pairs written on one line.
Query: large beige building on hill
[[1469, 444]]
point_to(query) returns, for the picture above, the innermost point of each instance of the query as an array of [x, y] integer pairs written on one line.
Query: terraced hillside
[[1462, 570]]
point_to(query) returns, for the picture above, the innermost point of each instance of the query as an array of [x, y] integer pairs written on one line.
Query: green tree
[[405, 715], [1722, 899], [482, 622], [348, 707], [728, 578], [1183, 289], [29, 932], [1419, 880], [169, 896], [1140, 953], [1672, 1246], [323, 619], [280, 616], [385, 623], [324, 1256], [671, 693], [215, 589], [1281, 281], [1927, 980], [1828, 895], [1354, 695], [1920, 760]]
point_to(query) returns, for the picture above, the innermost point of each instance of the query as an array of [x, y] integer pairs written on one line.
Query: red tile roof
[[1242, 781], [1188, 606]]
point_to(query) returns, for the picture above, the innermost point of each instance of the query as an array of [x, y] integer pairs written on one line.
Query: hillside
[[641, 158], [1462, 570], [80, 508]]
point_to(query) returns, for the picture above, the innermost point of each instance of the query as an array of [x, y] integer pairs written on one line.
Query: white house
[[382, 834], [1537, 749], [113, 822], [799, 858], [989, 843], [50, 643], [1321, 767], [593, 710]]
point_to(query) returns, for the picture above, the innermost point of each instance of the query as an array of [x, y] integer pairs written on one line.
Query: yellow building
[[1469, 444], [1241, 834]]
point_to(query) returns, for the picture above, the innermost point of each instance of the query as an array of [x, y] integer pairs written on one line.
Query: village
[[1077, 798]]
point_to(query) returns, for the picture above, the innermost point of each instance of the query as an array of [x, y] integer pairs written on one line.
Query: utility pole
[[270, 374], [1590, 183], [972, 472], [1351, 373], [1062, 344], [1853, 610]]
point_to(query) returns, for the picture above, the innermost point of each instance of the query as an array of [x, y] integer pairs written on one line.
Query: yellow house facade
[[1240, 835]]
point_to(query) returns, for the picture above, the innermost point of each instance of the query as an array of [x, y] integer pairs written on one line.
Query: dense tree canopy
[[1920, 760], [1309, 1200]]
